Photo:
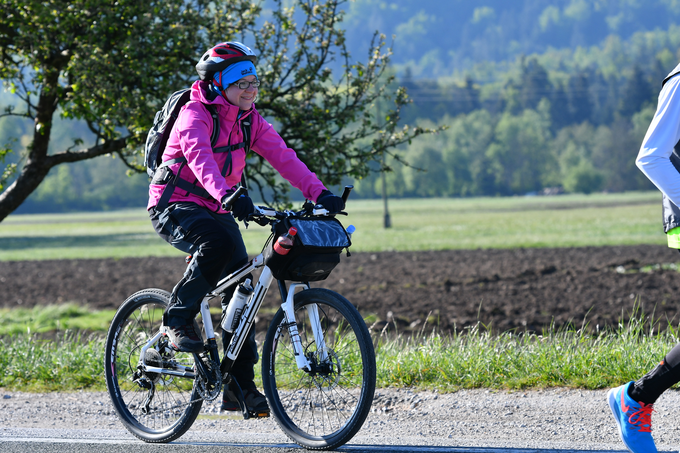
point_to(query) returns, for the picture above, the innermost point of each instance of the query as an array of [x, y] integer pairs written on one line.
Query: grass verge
[[67, 362], [474, 358], [557, 358], [51, 318]]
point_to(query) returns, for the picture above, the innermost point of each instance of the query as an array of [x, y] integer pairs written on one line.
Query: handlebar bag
[[315, 252]]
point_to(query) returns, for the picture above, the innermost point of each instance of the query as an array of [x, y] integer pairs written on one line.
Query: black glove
[[330, 202], [242, 207]]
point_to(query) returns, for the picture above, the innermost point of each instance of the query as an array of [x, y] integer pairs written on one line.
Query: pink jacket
[[190, 138]]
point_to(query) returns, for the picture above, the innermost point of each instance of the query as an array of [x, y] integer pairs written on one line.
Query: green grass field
[[34, 359], [417, 224]]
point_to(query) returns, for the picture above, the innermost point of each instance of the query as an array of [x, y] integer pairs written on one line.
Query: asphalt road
[[108, 442], [469, 421]]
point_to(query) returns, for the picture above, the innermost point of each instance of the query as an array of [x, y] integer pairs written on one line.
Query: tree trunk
[[39, 163], [28, 180], [36, 167]]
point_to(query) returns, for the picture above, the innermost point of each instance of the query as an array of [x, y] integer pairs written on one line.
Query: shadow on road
[[429, 449]]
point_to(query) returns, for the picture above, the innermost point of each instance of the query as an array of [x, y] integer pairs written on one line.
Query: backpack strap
[[216, 124], [245, 129], [189, 187]]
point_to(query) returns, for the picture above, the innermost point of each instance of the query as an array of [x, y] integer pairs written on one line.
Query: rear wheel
[[154, 407], [324, 408]]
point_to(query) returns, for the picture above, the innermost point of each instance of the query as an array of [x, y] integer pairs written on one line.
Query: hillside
[[538, 95], [438, 39]]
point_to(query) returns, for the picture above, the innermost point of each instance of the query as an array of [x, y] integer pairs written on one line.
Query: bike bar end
[[227, 204], [345, 193]]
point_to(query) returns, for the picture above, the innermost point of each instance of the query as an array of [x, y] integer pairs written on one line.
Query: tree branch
[[110, 146], [21, 115], [135, 168]]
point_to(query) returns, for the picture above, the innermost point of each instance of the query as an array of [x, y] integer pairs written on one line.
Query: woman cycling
[[189, 213]]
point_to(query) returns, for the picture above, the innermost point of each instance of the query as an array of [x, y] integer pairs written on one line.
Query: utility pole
[[387, 223], [386, 218]]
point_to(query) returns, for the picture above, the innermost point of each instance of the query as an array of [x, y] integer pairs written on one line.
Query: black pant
[[649, 387], [215, 242]]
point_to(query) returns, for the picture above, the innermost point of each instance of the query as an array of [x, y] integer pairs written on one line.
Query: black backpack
[[157, 138], [160, 131]]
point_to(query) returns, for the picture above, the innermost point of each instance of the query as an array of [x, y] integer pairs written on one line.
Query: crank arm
[[203, 370], [179, 371], [235, 393]]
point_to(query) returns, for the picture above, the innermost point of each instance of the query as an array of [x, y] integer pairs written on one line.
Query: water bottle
[[283, 245], [232, 316], [350, 230]]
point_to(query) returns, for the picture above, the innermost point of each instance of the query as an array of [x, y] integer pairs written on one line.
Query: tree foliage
[[574, 114], [329, 120], [578, 133], [547, 123], [112, 64]]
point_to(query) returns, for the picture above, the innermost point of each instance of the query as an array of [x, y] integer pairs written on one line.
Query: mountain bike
[[318, 362]]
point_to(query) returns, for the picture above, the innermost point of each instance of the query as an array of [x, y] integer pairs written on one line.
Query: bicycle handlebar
[[308, 208]]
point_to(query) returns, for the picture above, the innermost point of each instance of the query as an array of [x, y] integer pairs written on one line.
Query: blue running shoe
[[634, 420]]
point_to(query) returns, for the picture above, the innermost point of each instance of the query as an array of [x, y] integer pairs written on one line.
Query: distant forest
[[538, 96], [441, 39]]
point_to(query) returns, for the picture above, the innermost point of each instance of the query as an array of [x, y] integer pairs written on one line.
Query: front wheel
[[324, 408], [154, 407]]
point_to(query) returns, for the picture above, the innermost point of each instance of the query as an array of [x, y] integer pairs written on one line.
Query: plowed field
[[503, 289]]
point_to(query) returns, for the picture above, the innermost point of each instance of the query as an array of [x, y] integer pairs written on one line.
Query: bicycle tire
[[322, 411], [176, 403]]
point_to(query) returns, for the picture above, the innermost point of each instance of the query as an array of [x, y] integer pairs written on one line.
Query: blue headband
[[234, 73]]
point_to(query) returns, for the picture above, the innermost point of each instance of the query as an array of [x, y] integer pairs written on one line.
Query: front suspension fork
[[288, 307]]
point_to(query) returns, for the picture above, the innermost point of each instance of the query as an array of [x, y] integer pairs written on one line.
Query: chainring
[[206, 391]]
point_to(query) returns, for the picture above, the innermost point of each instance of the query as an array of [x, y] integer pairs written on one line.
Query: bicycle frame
[[247, 319], [253, 307], [250, 310]]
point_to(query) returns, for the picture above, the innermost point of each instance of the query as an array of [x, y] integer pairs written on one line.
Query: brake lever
[[262, 221], [264, 211], [261, 215], [325, 212]]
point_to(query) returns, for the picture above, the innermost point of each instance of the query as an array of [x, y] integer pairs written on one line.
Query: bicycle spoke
[[153, 406], [321, 408]]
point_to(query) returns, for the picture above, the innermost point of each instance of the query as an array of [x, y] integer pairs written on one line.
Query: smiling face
[[242, 98]]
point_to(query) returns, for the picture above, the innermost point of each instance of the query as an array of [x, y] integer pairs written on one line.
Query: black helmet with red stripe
[[221, 56]]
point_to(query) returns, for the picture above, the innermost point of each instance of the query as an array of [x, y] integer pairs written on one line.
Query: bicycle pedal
[[259, 414]]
